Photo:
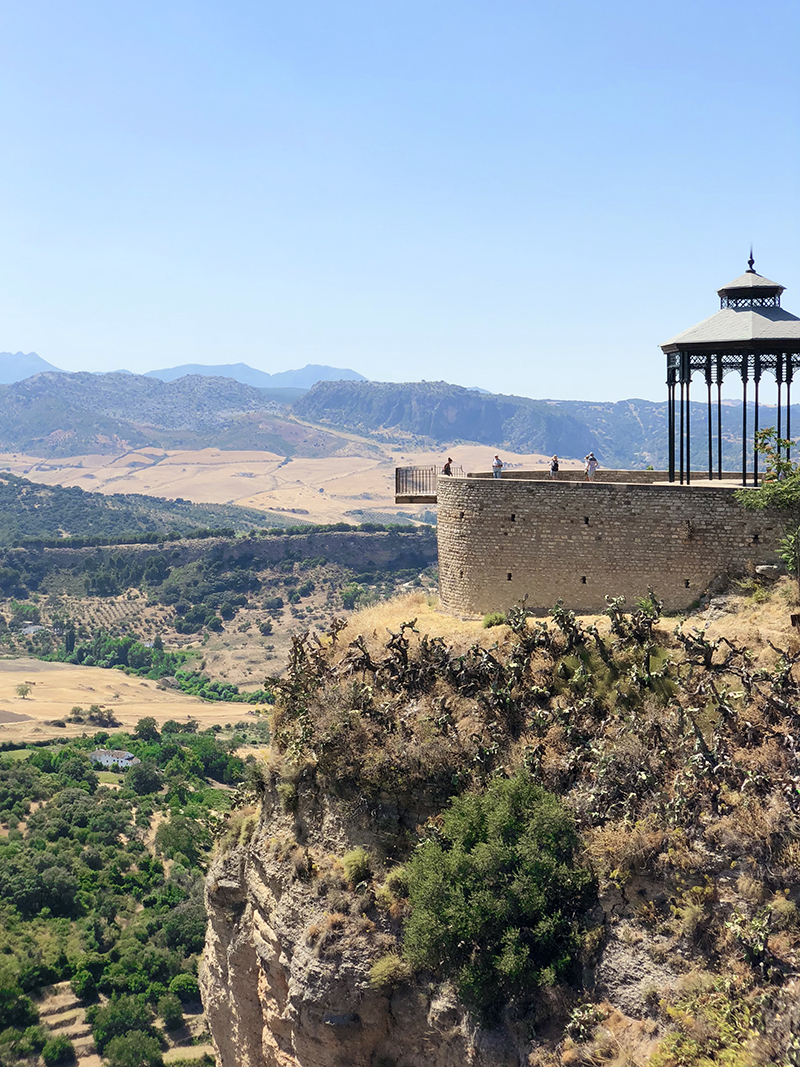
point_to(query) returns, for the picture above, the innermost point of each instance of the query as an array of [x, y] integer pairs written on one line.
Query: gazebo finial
[[751, 262]]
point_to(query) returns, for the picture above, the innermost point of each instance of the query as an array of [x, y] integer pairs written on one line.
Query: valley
[[344, 488]]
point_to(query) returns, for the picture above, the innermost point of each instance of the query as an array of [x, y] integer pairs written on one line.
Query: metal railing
[[420, 481]]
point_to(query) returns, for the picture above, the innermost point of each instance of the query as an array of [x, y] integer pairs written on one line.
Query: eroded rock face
[[274, 1000]]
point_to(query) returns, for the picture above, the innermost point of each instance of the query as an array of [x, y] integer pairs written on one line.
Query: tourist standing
[[591, 466], [554, 466], [497, 466], [448, 467]]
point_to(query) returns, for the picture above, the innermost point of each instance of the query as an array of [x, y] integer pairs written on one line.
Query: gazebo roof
[[741, 324], [750, 280]]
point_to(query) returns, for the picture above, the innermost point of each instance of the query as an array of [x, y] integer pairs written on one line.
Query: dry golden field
[[324, 490], [58, 687]]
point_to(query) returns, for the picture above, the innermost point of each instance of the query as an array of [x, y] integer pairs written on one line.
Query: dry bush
[[757, 827], [751, 889], [785, 914], [625, 849], [281, 846], [694, 912]]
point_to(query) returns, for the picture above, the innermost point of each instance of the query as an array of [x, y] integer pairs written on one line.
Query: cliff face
[[284, 986], [688, 809]]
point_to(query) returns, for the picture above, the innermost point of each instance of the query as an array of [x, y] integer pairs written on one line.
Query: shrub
[[494, 618], [397, 882], [185, 987], [171, 1011], [83, 986], [389, 972], [496, 899], [357, 865], [58, 1050]]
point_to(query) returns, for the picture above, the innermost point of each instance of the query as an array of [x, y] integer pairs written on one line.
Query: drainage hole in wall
[[508, 576], [585, 520], [686, 583], [755, 538], [583, 580], [513, 518], [461, 516]]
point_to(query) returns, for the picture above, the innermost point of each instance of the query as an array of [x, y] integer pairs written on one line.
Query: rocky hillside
[[548, 843], [627, 434], [73, 414]]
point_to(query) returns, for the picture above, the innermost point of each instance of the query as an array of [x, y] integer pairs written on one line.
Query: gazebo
[[750, 334]]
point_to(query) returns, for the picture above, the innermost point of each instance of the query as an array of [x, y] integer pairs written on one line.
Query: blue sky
[[522, 196]]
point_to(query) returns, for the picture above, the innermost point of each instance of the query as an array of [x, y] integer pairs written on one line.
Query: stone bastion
[[526, 536]]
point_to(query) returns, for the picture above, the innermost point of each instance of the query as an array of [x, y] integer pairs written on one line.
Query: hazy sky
[[523, 196]]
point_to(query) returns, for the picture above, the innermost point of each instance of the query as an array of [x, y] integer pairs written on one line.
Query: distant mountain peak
[[16, 366]]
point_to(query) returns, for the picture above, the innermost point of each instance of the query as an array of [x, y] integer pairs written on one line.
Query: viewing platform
[[418, 485]]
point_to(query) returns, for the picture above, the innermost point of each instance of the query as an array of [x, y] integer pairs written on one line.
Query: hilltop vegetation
[[673, 759], [30, 511]]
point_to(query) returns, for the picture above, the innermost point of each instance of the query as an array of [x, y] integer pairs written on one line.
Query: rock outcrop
[[286, 981]]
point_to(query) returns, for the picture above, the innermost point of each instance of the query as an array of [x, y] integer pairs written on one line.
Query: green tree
[[23, 690], [185, 987], [135, 1049], [496, 898], [57, 1051], [170, 1010], [181, 834], [143, 778], [117, 1018], [147, 729], [83, 985]]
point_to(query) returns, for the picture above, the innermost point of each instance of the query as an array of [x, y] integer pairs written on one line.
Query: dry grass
[[61, 686], [621, 849], [375, 622]]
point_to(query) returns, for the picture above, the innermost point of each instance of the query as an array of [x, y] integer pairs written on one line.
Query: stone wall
[[505, 539]]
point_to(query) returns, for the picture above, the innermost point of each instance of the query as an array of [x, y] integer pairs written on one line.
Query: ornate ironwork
[[773, 301]]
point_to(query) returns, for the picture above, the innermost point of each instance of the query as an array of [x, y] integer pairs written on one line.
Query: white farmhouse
[[114, 757]]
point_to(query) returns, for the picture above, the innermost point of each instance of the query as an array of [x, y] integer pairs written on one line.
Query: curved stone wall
[[500, 540]]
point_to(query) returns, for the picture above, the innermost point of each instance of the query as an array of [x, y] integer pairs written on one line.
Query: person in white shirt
[[554, 466], [591, 466], [497, 466]]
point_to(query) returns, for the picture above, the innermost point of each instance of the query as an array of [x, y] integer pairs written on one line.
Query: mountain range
[[626, 434], [16, 366], [303, 378], [55, 414]]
